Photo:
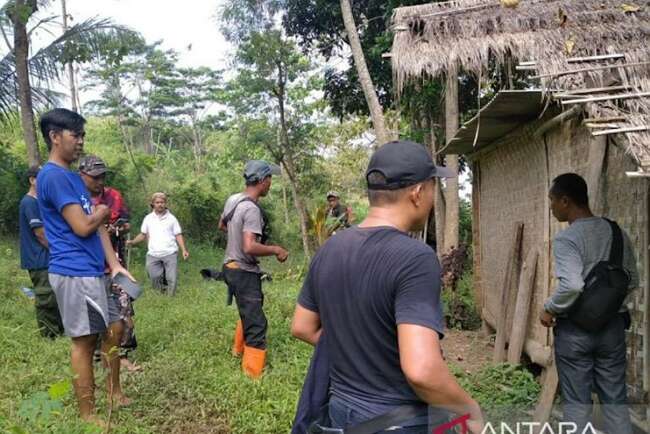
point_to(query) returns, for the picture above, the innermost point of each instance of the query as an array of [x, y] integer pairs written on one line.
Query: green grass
[[190, 382]]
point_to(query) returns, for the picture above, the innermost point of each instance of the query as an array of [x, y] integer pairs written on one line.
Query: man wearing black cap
[[247, 230], [34, 257], [373, 293], [339, 215]]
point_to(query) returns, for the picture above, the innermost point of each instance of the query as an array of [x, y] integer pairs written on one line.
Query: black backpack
[[606, 287], [266, 228]]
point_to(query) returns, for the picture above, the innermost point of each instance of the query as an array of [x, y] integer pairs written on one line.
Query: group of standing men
[[370, 302], [72, 243]]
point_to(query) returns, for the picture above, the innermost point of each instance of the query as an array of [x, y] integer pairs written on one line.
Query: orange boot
[[253, 362], [238, 340]]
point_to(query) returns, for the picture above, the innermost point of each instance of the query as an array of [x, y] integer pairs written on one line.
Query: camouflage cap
[[92, 165]]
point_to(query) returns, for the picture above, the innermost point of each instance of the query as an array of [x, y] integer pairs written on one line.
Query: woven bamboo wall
[[513, 187]]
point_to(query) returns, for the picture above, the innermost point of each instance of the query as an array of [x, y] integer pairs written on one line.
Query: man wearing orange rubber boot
[[247, 229]]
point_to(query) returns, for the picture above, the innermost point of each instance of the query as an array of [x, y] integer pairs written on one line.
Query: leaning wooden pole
[[451, 160], [375, 108]]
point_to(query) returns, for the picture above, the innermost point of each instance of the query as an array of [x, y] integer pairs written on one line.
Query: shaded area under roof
[[505, 112]]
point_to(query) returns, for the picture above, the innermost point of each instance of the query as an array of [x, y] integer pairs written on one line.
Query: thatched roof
[[550, 33]]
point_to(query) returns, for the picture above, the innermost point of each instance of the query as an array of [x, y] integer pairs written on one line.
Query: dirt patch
[[191, 417], [467, 349]]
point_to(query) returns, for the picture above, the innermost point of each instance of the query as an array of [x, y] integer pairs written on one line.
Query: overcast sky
[[178, 23]]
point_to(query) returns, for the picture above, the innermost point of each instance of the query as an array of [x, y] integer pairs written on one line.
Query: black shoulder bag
[[266, 229], [606, 287]]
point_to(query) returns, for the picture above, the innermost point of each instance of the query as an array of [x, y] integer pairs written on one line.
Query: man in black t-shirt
[[373, 293]]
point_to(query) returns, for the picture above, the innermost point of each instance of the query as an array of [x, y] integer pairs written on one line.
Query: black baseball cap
[[403, 163]]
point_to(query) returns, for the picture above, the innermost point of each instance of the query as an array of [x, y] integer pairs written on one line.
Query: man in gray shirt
[[247, 230], [586, 361]]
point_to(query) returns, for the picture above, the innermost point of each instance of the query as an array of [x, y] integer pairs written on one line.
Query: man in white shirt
[[164, 236]]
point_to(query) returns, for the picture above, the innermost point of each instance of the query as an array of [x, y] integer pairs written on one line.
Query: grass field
[[190, 383]]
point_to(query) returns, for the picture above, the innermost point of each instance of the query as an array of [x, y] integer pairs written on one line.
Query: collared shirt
[[33, 255], [161, 230]]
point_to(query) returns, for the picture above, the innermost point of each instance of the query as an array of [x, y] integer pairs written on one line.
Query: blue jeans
[[342, 416], [593, 362]]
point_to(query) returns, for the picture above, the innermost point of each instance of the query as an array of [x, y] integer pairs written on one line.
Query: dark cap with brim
[[403, 163], [257, 170], [92, 165]]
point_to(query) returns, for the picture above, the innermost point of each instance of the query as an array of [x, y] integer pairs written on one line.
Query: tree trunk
[[299, 204], [74, 96], [376, 111], [287, 159], [451, 161], [21, 52], [439, 200], [147, 136]]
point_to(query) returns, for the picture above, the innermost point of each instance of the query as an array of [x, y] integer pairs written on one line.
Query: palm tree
[[25, 81]]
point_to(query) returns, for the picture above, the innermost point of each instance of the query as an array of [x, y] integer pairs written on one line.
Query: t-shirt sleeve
[[308, 296], [60, 191], [417, 298], [252, 219], [176, 227], [144, 227], [33, 214]]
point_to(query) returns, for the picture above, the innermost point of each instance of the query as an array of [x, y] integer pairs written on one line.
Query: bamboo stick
[[593, 68], [622, 130], [638, 174], [557, 120], [461, 10], [570, 93], [606, 97], [599, 57], [604, 119], [525, 68], [598, 125], [580, 59]]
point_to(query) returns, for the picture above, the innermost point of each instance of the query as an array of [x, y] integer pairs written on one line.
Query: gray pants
[[593, 362], [163, 272]]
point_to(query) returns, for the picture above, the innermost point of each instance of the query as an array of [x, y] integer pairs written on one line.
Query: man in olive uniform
[[339, 216]]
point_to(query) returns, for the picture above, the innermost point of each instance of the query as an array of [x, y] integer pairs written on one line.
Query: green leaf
[[59, 390]]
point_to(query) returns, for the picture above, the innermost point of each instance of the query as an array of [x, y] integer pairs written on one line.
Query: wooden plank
[[547, 397], [522, 307], [509, 278], [595, 163]]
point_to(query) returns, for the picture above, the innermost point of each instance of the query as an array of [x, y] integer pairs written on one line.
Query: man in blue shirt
[[79, 248], [34, 258]]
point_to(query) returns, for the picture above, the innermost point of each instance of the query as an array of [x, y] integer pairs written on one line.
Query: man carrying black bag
[[596, 270]]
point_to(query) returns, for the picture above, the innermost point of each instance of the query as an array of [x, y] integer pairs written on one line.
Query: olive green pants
[[48, 318]]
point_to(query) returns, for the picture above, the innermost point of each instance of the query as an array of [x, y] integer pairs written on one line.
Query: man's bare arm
[[138, 239], [252, 247], [181, 243], [306, 325], [82, 224], [39, 233], [428, 374]]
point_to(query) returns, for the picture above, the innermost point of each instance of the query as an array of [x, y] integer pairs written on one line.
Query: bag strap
[[229, 216], [616, 252], [380, 423]]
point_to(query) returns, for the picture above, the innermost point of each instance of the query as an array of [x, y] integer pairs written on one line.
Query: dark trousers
[[48, 317], [593, 362], [247, 289]]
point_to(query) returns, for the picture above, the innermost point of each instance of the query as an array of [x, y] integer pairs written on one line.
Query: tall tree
[[374, 107], [19, 13], [271, 72], [451, 189], [74, 94]]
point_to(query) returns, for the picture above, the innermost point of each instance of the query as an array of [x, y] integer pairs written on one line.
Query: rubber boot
[[238, 340], [253, 362]]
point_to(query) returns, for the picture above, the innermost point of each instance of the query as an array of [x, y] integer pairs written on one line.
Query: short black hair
[[58, 120], [32, 172], [382, 197], [572, 186]]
